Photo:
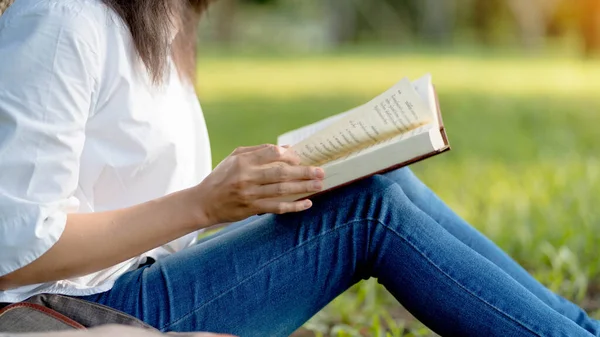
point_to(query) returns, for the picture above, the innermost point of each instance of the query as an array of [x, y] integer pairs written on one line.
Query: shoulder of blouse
[[88, 20]]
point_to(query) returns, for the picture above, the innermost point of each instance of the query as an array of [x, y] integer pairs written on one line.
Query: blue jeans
[[269, 274]]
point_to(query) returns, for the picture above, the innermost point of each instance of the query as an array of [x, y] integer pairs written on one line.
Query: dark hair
[[4, 5], [151, 23]]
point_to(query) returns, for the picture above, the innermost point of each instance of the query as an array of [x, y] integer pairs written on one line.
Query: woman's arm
[[94, 241], [244, 184]]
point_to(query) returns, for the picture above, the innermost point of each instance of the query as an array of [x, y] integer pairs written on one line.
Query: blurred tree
[[226, 14], [387, 19], [225, 18], [351, 19], [484, 16], [408, 12], [590, 26], [343, 19], [532, 18], [437, 19], [261, 2]]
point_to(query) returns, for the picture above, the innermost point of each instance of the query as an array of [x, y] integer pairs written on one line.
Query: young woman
[[105, 179]]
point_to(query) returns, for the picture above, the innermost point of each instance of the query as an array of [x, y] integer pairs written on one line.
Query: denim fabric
[[269, 274]]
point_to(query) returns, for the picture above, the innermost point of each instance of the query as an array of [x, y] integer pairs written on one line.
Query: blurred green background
[[519, 88]]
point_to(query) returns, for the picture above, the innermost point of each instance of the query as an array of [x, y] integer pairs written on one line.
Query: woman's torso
[[142, 141]]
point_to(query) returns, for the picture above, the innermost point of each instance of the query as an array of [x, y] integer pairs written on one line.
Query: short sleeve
[[48, 66]]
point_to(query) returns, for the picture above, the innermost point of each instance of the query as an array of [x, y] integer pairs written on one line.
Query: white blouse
[[82, 129]]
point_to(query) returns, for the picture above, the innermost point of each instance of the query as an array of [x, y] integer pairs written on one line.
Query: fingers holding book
[[251, 180], [271, 154], [281, 172]]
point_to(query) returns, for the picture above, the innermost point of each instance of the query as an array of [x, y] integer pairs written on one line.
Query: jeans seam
[[458, 283], [265, 265]]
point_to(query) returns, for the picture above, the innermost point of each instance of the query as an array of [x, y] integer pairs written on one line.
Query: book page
[[383, 143], [298, 135], [424, 87], [398, 110]]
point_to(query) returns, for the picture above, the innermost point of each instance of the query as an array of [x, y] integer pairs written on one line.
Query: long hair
[[152, 24], [4, 5]]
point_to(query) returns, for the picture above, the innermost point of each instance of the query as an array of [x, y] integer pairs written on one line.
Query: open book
[[397, 128]]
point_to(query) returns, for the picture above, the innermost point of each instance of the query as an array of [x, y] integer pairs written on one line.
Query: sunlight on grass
[[367, 76], [524, 170]]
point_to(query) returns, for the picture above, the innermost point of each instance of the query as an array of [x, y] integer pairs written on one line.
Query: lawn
[[525, 165]]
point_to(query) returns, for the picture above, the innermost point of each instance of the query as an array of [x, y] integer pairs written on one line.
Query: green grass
[[525, 165]]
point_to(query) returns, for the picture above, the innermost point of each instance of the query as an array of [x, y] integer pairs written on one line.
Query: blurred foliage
[[524, 170], [261, 2], [328, 24]]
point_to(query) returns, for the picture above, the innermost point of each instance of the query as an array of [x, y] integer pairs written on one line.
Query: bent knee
[[370, 187], [370, 194]]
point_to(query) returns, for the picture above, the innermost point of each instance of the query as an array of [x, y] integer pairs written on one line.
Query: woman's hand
[[249, 181]]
